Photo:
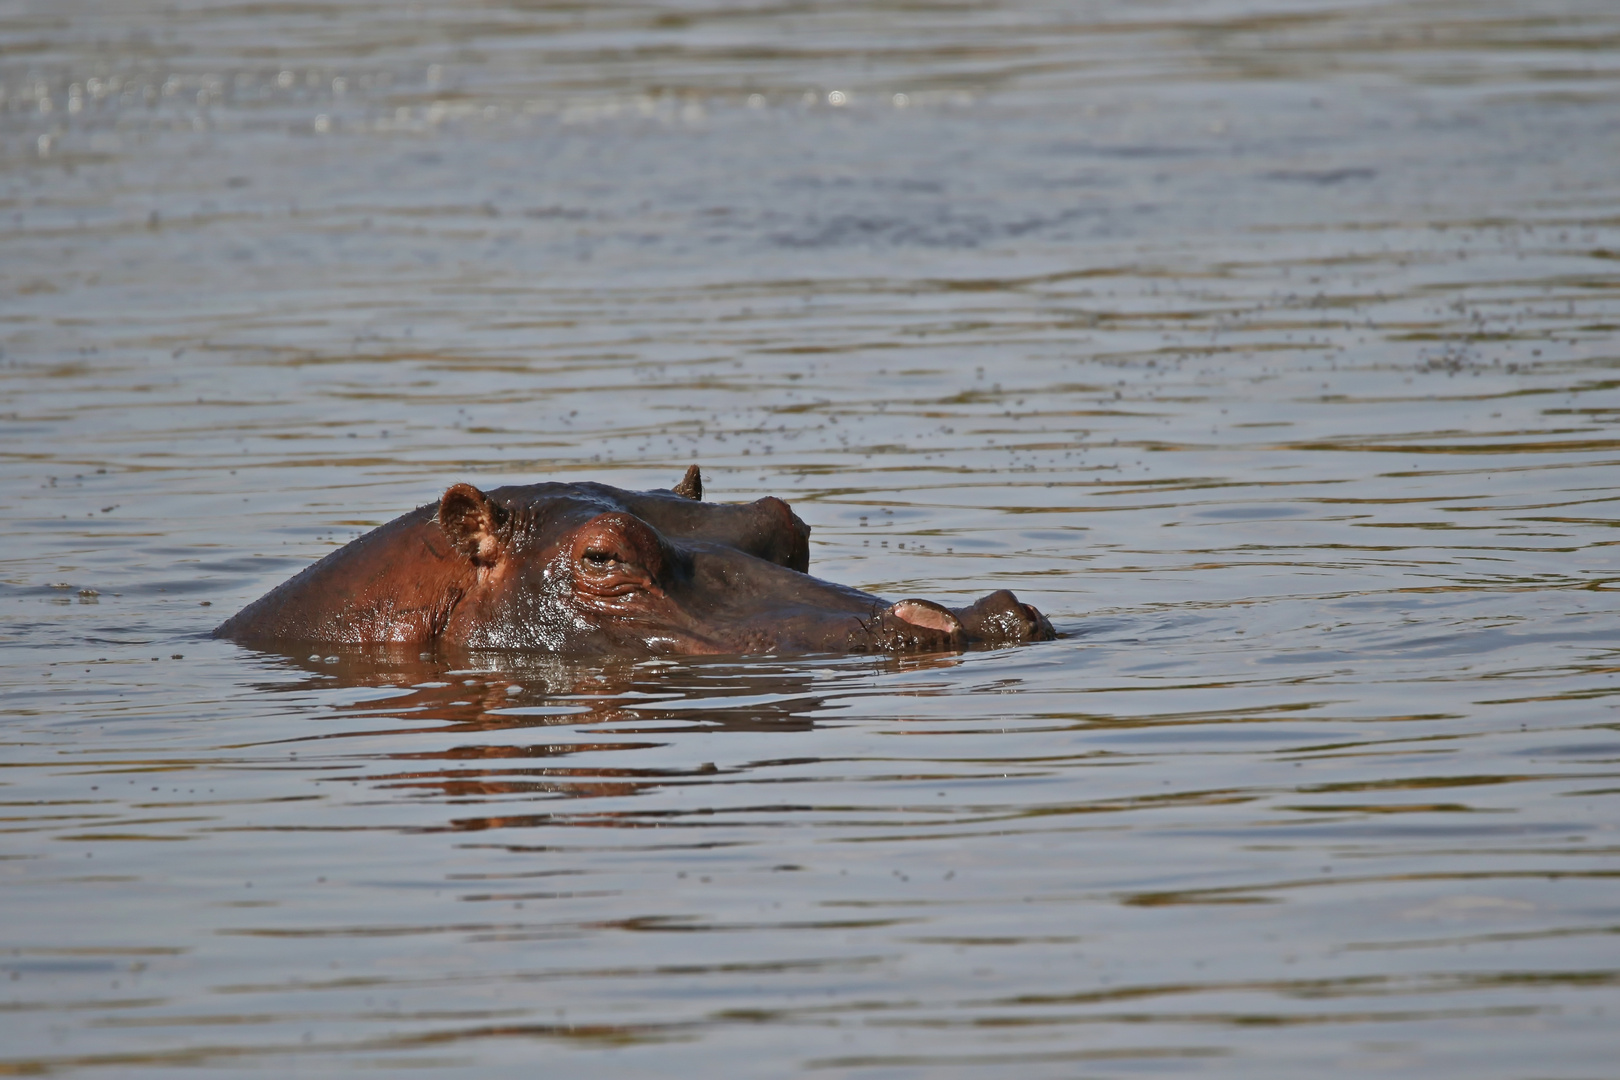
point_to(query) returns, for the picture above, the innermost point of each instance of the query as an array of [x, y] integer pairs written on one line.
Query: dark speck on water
[[1269, 349]]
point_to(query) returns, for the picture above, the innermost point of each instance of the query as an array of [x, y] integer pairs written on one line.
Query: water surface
[[1269, 349]]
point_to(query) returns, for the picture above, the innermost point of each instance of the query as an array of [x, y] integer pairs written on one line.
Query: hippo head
[[588, 569]]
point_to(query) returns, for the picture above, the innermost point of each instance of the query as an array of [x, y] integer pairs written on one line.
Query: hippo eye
[[599, 559], [614, 555]]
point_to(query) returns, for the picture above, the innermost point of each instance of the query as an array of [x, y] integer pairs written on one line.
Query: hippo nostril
[[1001, 619]]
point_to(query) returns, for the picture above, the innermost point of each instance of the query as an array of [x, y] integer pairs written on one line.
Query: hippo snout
[[1001, 619]]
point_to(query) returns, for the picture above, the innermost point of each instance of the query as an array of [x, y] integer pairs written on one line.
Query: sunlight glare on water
[[1270, 350]]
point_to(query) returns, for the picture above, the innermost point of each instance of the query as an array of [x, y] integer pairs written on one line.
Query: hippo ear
[[475, 523], [691, 485]]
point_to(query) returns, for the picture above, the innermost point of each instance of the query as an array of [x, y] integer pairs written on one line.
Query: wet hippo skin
[[586, 569]]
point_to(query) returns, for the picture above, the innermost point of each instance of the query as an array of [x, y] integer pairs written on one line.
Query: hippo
[[585, 569]]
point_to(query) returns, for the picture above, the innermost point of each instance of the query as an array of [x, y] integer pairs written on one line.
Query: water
[[1270, 350]]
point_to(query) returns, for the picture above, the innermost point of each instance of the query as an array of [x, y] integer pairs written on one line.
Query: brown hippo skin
[[590, 570]]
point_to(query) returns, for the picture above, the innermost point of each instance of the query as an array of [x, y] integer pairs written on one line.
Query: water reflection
[[489, 691], [514, 694]]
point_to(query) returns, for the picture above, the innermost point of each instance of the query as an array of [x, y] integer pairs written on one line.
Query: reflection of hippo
[[587, 569]]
